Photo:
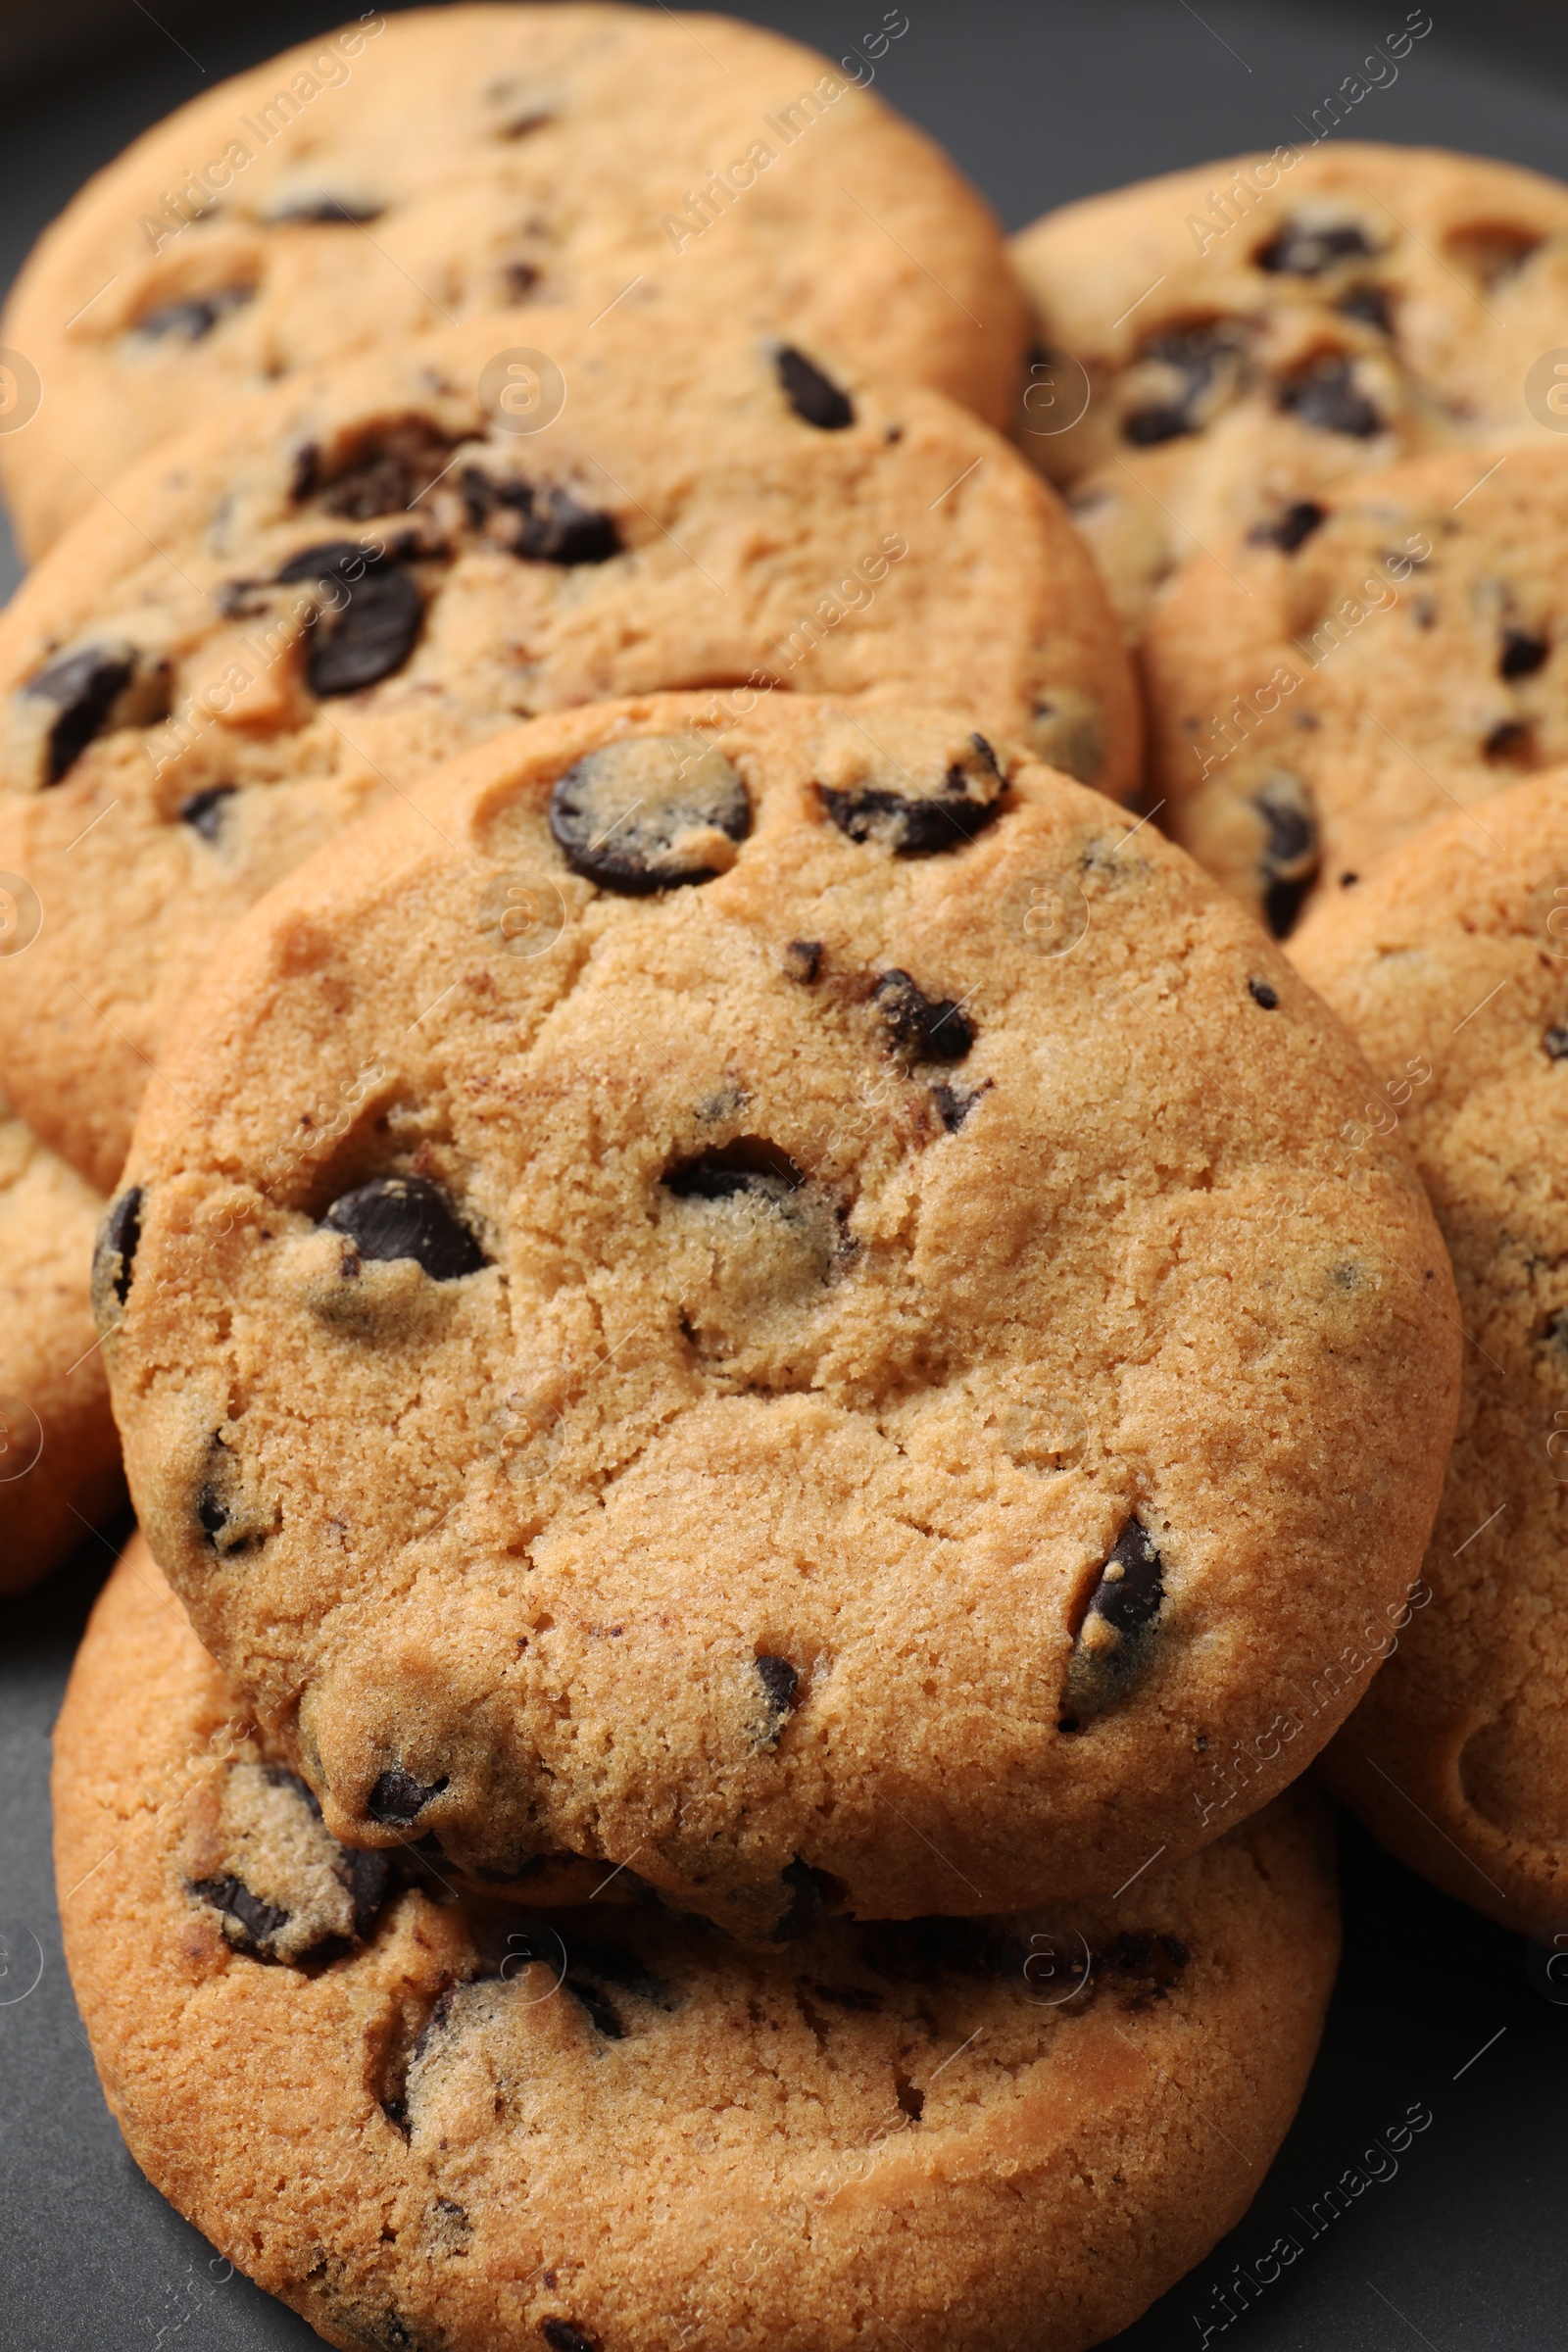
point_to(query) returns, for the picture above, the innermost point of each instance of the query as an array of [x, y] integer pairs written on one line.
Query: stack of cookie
[[775, 1382]]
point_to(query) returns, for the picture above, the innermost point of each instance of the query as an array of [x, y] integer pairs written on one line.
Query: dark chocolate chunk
[[212, 1513], [385, 473], [1201, 356], [562, 2336], [1523, 654], [1146, 1965], [1114, 1641], [780, 1683], [603, 2015], [370, 624], [808, 1891], [190, 320], [84, 688], [223, 1512], [203, 810], [1290, 860], [1262, 994], [323, 210], [399, 1798], [651, 812], [369, 1880], [1291, 526], [1369, 305], [115, 1257], [926, 1028], [1300, 250], [1161, 420], [803, 959], [748, 1165], [815, 398], [544, 526], [408, 1217], [1510, 739], [521, 278], [257, 1922], [954, 1104], [915, 824], [1556, 1043], [1324, 394]]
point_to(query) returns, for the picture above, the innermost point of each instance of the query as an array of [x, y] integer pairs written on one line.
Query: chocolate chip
[[1521, 654], [954, 1104], [1325, 396], [203, 810], [398, 1798], [810, 1891], [520, 279], [383, 474], [926, 1028], [1510, 739], [84, 688], [189, 321], [408, 1217], [211, 1513], [1114, 1641], [1349, 881], [1262, 994], [921, 824], [1204, 358], [1302, 251], [1556, 1043], [1147, 1964], [803, 959], [748, 1166], [603, 2014], [543, 526], [370, 1877], [369, 625], [1289, 866], [114, 1255], [562, 2337], [322, 211], [815, 398], [1370, 306], [780, 1683], [258, 1922], [649, 813], [1290, 528]]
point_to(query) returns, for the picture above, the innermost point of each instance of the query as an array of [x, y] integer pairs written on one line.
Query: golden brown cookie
[[699, 174], [309, 600], [1314, 705], [1219, 347], [775, 1300], [59, 1451], [1451, 963], [461, 2123]]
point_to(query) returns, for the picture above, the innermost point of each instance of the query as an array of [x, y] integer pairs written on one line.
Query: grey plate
[[1457, 2242]]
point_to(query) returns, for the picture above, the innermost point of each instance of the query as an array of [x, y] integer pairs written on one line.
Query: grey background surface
[[1462, 2246]]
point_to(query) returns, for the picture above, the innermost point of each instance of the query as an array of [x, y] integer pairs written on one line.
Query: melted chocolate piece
[[408, 1217], [84, 688]]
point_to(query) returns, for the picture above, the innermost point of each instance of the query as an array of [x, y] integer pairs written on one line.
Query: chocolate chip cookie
[[415, 170], [59, 1452], [1451, 963], [1218, 348], [411, 2115], [1404, 651], [665, 1309], [309, 600]]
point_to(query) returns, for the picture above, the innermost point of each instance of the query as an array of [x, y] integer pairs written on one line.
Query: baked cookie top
[[1451, 963], [1219, 346], [409, 170], [59, 1450], [777, 1300], [1314, 704], [416, 2127], [311, 599]]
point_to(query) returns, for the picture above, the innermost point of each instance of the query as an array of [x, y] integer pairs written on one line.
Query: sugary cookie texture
[[1217, 348], [1451, 965], [433, 2122], [778, 1299], [59, 1452], [444, 162], [311, 599], [1317, 704]]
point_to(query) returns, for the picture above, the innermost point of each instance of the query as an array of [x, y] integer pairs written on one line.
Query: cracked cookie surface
[[985, 2129], [362, 189], [548, 1316]]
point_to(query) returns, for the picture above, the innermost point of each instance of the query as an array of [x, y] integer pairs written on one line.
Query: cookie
[[775, 1300], [411, 2116], [309, 600], [59, 1452], [1314, 704], [1451, 966], [1219, 347], [413, 171]]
